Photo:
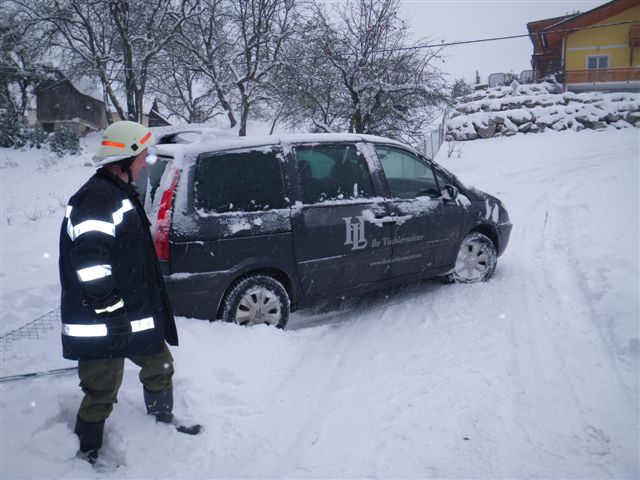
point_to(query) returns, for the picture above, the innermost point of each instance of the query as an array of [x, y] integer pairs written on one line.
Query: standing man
[[114, 304]]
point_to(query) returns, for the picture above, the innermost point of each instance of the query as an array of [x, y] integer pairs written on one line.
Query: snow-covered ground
[[533, 374]]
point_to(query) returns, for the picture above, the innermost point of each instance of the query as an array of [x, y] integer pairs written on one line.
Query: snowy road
[[531, 375]]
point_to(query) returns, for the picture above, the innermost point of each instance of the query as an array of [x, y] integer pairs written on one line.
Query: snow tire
[[476, 260], [257, 299]]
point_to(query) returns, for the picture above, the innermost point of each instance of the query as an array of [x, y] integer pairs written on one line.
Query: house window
[[597, 62]]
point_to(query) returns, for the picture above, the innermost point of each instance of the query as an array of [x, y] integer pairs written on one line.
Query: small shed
[[78, 104], [60, 103], [155, 118]]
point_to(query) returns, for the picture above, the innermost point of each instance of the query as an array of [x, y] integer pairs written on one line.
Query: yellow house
[[598, 49]]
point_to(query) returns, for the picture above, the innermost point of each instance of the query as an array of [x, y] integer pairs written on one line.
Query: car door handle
[[390, 219], [385, 219]]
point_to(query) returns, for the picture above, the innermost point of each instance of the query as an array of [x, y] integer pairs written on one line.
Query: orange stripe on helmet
[[145, 138], [107, 143]]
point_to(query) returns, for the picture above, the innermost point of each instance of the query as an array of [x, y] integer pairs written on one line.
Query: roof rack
[[185, 136]]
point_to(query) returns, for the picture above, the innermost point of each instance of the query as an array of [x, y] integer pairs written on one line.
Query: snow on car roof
[[211, 140]]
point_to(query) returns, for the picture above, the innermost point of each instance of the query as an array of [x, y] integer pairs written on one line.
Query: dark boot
[[160, 404], [90, 435]]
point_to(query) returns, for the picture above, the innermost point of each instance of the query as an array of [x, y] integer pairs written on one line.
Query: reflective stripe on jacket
[[114, 302]]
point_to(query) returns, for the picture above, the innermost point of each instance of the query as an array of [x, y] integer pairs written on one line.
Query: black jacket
[[114, 302]]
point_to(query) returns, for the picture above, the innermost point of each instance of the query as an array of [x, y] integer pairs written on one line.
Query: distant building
[[587, 58], [152, 119], [496, 79], [526, 76], [155, 119], [77, 106], [60, 103]]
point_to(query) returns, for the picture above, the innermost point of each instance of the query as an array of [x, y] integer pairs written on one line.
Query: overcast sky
[[474, 19]]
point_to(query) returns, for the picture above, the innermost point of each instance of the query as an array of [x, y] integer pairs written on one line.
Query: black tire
[[261, 292], [476, 260]]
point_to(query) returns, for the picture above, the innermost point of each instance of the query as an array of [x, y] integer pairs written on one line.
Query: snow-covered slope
[[531, 375]]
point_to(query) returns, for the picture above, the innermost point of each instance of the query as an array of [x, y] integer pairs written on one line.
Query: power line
[[510, 37], [317, 57]]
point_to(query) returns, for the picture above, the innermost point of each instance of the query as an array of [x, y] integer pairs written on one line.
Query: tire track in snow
[[315, 412], [561, 351], [418, 370]]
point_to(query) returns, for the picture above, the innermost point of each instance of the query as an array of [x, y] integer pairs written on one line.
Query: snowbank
[[535, 108]]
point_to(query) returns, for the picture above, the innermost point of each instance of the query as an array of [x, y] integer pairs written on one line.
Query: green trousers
[[100, 381]]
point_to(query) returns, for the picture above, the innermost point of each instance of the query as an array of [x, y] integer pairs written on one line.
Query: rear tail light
[[161, 241]]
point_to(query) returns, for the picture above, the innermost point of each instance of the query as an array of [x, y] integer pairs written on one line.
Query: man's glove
[[111, 306], [112, 309]]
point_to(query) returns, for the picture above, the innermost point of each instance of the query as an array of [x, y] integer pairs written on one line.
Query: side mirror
[[450, 193]]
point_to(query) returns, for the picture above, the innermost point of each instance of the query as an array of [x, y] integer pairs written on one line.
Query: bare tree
[[240, 46], [144, 28], [182, 90], [367, 76], [261, 29], [308, 88], [22, 65], [206, 41]]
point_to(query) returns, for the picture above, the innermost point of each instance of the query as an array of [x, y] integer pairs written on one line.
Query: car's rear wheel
[[255, 300], [476, 260]]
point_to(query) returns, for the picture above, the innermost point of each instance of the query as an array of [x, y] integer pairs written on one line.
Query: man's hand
[[110, 306], [112, 309]]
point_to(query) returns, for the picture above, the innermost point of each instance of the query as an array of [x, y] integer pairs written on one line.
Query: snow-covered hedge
[[535, 108]]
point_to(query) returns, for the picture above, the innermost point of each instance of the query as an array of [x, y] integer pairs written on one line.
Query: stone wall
[[506, 111]]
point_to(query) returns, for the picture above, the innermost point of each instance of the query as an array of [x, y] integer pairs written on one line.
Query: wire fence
[[45, 326], [434, 139], [41, 327]]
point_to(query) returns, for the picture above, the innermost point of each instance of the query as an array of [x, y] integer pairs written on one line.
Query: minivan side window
[[332, 172], [247, 181], [407, 176]]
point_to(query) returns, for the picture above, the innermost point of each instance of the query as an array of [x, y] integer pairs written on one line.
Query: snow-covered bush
[[535, 108], [13, 129], [65, 140], [460, 88], [37, 137]]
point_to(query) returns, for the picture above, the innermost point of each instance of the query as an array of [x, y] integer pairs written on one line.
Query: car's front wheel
[[257, 299], [476, 260]]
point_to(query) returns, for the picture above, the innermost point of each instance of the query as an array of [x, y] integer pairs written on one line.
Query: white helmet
[[123, 140]]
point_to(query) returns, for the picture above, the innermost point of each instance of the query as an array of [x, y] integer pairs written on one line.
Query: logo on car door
[[355, 233]]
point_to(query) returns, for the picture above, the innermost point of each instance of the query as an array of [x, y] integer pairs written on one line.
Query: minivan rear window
[[246, 181]]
